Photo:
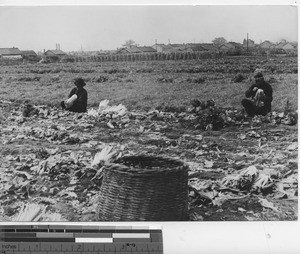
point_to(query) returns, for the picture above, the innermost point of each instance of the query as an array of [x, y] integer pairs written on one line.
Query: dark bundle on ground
[[29, 110], [198, 105], [291, 118], [238, 78], [165, 80], [210, 103], [210, 118], [101, 79], [199, 80], [195, 103]]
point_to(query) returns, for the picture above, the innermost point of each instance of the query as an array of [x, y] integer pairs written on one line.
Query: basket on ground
[[144, 188]]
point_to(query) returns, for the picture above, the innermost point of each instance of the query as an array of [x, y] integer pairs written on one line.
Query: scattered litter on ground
[[56, 157]]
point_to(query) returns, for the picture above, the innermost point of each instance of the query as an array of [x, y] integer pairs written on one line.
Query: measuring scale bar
[[80, 239]]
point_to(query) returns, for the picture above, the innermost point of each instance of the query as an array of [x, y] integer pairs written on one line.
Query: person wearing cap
[[77, 99], [261, 94]]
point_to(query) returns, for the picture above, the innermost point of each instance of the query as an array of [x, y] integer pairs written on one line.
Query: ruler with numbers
[[80, 239]]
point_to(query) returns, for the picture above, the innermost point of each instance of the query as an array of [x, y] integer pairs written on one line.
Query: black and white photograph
[[148, 113]]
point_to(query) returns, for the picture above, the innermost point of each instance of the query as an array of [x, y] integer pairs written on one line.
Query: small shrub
[[42, 153], [210, 118], [195, 103], [199, 80], [111, 71], [129, 80], [200, 105], [32, 58], [165, 80], [238, 78], [67, 59], [101, 79], [54, 79], [51, 59], [29, 110], [288, 107]]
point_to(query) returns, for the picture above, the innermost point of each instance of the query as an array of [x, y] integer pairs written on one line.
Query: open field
[[46, 157], [147, 85]]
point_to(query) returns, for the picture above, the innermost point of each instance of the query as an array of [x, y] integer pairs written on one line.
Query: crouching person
[[261, 94], [77, 100]]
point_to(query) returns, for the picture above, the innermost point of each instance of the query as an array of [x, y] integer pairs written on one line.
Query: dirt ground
[[247, 170]]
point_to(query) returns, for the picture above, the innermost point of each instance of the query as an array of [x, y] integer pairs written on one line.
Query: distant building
[[280, 44], [146, 49], [231, 47], [178, 47], [28, 53], [250, 43], [265, 45], [195, 47], [136, 49], [284, 47], [224, 47], [129, 50], [209, 46], [10, 53], [234, 45], [56, 52], [289, 47], [294, 43], [162, 47]]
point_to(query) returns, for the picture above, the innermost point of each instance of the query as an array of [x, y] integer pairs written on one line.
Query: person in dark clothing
[[261, 94], [77, 99]]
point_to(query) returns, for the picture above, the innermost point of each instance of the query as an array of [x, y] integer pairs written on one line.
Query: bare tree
[[129, 43]]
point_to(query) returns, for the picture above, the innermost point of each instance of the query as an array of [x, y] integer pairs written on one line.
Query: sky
[[109, 27]]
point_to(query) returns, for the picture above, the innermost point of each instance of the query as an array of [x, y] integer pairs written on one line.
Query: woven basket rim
[[118, 166]]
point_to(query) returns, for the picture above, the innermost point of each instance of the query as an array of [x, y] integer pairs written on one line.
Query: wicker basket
[[144, 188]]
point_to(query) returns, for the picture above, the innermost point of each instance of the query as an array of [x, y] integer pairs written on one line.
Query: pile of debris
[[250, 187], [115, 116], [203, 115], [207, 116]]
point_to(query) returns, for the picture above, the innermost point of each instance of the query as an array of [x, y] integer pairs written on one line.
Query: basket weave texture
[[144, 188]]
